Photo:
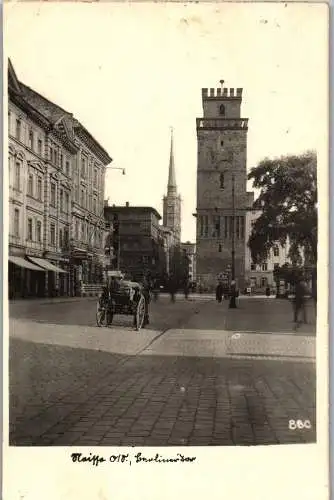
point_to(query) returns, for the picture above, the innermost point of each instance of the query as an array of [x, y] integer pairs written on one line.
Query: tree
[[288, 205]]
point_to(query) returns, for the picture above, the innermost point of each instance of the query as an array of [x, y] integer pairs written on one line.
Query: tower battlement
[[223, 92]]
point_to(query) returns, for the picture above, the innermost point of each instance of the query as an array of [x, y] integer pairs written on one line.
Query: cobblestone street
[[187, 385]]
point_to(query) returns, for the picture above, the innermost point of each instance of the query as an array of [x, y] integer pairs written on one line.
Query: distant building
[[190, 250], [221, 170], [259, 276], [172, 201], [168, 243], [138, 243], [56, 187]]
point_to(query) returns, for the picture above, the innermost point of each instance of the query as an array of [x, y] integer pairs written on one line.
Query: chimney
[[127, 204], [106, 203]]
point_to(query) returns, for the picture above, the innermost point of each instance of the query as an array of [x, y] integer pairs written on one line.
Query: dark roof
[[53, 113], [124, 209]]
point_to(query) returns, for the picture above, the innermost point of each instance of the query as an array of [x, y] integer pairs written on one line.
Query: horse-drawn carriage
[[121, 297]]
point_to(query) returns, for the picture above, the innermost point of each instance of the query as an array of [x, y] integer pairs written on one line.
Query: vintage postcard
[[165, 250]]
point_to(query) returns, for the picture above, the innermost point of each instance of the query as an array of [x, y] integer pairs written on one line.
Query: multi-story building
[[56, 187], [172, 201], [190, 250], [261, 275], [222, 197], [168, 238], [139, 246]]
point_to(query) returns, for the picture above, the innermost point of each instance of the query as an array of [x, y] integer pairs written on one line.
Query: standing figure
[[186, 289], [219, 292], [172, 288], [299, 301], [147, 296]]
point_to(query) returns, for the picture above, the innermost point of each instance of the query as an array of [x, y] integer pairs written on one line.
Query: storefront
[[25, 279], [84, 268], [52, 275]]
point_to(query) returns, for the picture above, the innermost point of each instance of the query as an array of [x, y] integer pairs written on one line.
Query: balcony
[[222, 123]]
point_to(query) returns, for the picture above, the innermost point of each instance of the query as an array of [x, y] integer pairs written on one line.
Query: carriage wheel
[[140, 313], [100, 315]]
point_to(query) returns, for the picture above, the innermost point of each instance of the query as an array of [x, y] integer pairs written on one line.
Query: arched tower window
[[222, 109], [222, 180]]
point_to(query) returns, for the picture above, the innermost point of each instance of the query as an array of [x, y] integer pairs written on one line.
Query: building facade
[[190, 250], [168, 238], [222, 197], [56, 186], [259, 276], [172, 201], [139, 244]]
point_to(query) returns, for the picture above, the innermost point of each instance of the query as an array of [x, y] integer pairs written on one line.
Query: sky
[[129, 72]]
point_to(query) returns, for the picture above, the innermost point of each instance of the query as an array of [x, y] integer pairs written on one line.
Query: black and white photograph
[[164, 247]]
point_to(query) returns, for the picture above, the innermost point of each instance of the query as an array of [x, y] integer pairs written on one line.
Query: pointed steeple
[[171, 187]]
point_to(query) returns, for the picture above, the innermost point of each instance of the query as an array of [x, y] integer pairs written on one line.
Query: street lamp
[[233, 303]]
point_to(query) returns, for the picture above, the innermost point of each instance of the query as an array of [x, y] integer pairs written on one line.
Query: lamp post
[[233, 303]]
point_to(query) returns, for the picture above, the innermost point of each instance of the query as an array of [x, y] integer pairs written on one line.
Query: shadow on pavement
[[65, 396]]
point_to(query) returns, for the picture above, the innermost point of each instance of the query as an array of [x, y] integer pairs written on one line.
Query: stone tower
[[172, 202], [221, 171]]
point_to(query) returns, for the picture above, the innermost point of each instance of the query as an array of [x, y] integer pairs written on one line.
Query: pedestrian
[[172, 288], [219, 292], [268, 291], [299, 302], [186, 290], [147, 296]]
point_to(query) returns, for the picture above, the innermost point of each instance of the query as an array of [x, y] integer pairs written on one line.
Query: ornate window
[[31, 139], [222, 110], [18, 129], [216, 227], [39, 188], [53, 195], [17, 183], [276, 251], [39, 231], [29, 229], [52, 234], [67, 202], [16, 222], [61, 200], [31, 185], [39, 146]]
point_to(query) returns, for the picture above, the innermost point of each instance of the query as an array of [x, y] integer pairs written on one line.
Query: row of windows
[[263, 266], [56, 156], [34, 231], [87, 233], [35, 188], [263, 282], [85, 172], [34, 143], [222, 226], [89, 202]]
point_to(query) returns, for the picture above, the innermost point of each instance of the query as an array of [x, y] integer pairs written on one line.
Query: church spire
[[171, 172]]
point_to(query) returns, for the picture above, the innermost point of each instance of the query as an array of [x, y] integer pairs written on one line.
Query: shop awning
[[47, 265], [20, 261]]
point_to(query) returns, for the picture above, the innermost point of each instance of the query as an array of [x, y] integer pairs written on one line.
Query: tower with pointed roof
[[172, 201]]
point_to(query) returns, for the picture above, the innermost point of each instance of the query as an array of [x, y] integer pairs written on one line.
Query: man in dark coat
[[219, 292], [147, 296]]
